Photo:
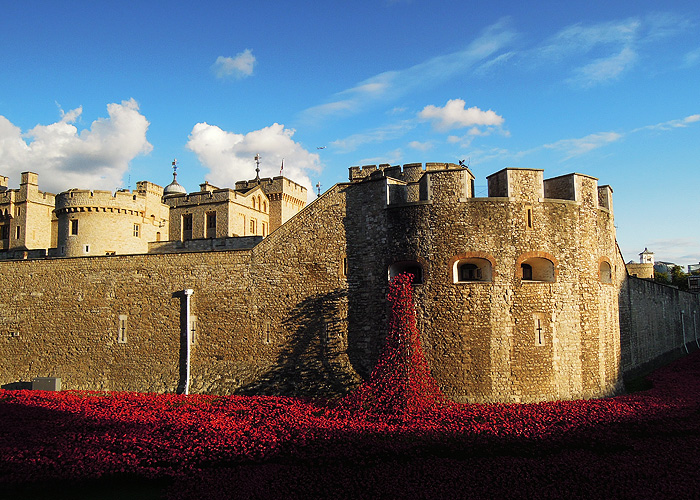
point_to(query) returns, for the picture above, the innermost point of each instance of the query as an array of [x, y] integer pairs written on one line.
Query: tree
[[660, 277], [679, 278]]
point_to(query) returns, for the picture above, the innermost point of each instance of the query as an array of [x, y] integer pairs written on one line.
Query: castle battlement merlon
[[410, 172], [277, 184], [412, 184], [203, 197], [526, 184]]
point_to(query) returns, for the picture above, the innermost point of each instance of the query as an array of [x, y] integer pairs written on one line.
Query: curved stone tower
[[105, 223], [516, 293]]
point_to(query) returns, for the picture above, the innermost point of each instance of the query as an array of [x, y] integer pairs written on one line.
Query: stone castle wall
[[304, 311], [660, 323]]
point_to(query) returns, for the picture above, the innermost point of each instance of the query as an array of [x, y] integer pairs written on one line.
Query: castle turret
[[106, 223]]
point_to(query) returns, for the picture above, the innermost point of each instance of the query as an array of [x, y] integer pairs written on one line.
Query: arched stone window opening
[[407, 266], [472, 269], [537, 269], [605, 272], [253, 202], [264, 206]]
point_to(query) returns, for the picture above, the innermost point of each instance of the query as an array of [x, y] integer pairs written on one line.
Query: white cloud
[[603, 52], [454, 115], [379, 134], [420, 146], [582, 39], [390, 85], [237, 67], [692, 58], [230, 156], [605, 69], [681, 251], [671, 124], [394, 157], [64, 158], [577, 147]]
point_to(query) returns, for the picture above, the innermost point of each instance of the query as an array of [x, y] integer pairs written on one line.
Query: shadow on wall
[[183, 358], [17, 386], [313, 362]]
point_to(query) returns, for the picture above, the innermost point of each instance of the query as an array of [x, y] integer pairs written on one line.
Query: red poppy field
[[396, 436]]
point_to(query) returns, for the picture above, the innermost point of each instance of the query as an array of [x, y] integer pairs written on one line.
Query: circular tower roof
[[174, 187]]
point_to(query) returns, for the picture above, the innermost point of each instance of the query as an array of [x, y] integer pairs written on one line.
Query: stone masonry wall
[[658, 323], [304, 311], [61, 318]]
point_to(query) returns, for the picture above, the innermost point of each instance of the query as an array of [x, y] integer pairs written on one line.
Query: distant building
[[644, 268], [664, 267], [81, 223], [27, 221], [694, 283]]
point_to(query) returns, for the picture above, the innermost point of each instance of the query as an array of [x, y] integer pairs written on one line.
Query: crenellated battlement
[[208, 194], [412, 184], [136, 201], [277, 184], [410, 172]]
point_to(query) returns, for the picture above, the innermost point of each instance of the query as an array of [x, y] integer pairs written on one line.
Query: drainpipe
[[683, 326], [188, 340]]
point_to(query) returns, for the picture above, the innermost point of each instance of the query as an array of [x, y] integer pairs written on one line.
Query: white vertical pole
[[683, 326], [188, 334]]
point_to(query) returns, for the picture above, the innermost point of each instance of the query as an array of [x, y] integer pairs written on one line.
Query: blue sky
[[102, 94]]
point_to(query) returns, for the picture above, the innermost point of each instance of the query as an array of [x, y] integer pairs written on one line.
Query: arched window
[[407, 266], [264, 206], [605, 272], [472, 269], [253, 202], [537, 269], [259, 202]]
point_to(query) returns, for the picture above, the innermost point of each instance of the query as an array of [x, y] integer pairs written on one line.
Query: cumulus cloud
[[229, 156], [576, 147], [64, 158], [237, 67], [454, 115]]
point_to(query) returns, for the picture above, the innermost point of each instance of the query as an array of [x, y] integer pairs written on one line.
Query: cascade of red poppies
[[401, 381]]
